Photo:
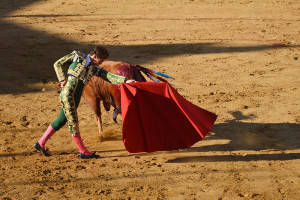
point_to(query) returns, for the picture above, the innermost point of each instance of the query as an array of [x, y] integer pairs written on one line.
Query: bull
[[98, 90]]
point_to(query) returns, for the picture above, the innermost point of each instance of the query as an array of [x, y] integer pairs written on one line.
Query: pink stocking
[[80, 145], [49, 132]]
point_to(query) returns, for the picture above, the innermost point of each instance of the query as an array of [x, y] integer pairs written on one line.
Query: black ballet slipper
[[38, 147]]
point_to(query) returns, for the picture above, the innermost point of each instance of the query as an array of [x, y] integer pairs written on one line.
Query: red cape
[[157, 118]]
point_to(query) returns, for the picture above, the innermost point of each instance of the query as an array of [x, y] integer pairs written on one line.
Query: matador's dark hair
[[101, 52]]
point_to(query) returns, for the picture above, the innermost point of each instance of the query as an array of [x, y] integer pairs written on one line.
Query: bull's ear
[[116, 112]]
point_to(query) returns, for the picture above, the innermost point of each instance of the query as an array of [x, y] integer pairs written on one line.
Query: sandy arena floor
[[238, 59]]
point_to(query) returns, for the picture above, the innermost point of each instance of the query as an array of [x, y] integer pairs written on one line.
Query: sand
[[238, 59]]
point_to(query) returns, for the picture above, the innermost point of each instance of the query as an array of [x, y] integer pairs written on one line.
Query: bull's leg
[[97, 110], [99, 123], [95, 105]]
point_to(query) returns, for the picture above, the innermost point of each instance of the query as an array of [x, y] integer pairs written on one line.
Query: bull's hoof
[[102, 138]]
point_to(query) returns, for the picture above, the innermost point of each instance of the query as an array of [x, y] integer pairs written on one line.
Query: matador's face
[[95, 60]]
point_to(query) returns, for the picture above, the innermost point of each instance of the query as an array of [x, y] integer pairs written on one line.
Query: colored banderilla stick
[[152, 72], [158, 78], [161, 74], [153, 79]]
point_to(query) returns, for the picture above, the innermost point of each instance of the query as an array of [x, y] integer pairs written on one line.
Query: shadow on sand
[[27, 55], [265, 138]]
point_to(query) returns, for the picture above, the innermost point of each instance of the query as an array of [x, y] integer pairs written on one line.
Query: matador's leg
[[68, 101], [70, 97]]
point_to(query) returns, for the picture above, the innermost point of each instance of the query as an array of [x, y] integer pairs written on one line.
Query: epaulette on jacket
[[78, 54]]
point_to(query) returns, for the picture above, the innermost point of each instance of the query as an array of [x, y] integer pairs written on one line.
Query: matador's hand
[[131, 81], [62, 84]]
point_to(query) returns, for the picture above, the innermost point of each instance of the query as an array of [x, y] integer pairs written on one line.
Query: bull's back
[[99, 89], [118, 68]]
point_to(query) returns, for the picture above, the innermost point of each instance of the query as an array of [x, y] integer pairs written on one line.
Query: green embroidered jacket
[[80, 67]]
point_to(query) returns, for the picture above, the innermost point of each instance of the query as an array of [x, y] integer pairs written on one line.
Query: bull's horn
[[116, 112]]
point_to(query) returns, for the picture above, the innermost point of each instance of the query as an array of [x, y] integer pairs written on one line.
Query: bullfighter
[[81, 68]]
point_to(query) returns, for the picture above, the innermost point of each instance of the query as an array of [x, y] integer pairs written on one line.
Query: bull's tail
[[155, 76]]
